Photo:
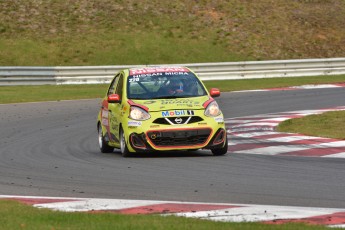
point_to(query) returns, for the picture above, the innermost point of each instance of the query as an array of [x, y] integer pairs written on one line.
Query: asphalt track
[[50, 149]]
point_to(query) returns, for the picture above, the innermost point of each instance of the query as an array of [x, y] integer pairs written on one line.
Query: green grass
[[251, 84], [104, 32], [13, 94], [111, 49], [329, 124], [14, 215]]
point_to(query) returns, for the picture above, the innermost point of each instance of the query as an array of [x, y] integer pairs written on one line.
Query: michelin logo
[[177, 113]]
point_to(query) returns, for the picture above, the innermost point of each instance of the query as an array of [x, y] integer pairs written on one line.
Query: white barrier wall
[[13, 75]]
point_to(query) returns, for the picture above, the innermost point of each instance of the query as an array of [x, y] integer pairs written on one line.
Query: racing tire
[[123, 146], [103, 144], [221, 151]]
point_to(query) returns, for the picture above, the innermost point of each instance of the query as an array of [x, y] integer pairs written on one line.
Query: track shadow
[[169, 154]]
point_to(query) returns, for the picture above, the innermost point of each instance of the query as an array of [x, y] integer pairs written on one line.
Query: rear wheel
[[221, 151], [103, 144], [123, 146]]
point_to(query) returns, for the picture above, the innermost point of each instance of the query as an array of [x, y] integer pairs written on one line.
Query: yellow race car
[[160, 109]]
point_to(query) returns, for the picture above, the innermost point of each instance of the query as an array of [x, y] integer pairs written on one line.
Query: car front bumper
[[207, 135]]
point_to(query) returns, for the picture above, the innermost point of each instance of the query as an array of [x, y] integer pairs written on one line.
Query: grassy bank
[[108, 32], [111, 49], [14, 215], [330, 124]]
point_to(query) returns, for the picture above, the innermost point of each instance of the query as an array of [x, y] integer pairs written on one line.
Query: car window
[[119, 87], [113, 84], [164, 84]]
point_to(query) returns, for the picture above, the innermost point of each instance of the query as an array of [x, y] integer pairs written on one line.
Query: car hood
[[191, 103]]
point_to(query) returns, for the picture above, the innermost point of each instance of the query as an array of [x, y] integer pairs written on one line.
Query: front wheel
[[221, 151], [123, 146], [102, 143]]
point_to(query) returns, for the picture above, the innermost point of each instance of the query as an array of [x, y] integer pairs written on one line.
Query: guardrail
[[207, 71]]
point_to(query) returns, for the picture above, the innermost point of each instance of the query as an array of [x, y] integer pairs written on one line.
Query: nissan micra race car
[[160, 109]]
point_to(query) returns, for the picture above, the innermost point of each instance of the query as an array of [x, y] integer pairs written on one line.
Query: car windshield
[[159, 83]]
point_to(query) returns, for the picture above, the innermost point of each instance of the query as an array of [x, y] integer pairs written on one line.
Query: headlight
[[212, 109], [137, 113]]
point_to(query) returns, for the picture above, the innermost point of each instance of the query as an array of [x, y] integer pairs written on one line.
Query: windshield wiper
[[140, 98], [170, 97]]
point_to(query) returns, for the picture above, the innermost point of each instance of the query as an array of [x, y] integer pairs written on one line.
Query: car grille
[[179, 137], [177, 120]]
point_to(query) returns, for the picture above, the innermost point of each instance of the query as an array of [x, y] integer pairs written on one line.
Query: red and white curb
[[208, 211], [257, 135], [317, 86]]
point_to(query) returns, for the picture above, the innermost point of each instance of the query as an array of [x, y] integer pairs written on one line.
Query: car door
[[106, 115], [114, 109]]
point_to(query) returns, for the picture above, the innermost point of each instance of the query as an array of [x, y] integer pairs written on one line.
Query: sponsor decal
[[133, 79], [173, 113], [154, 126], [179, 101], [176, 73], [134, 123], [105, 113], [137, 76], [157, 70], [149, 102], [105, 122], [219, 119]]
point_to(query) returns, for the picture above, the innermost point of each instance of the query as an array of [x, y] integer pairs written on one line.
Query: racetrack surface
[[50, 149]]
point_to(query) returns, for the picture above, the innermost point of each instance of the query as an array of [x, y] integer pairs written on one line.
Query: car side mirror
[[114, 98], [214, 92]]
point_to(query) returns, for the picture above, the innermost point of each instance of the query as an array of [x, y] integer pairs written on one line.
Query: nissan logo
[[178, 120], [153, 136]]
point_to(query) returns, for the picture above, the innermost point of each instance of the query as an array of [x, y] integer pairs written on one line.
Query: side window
[[113, 84], [119, 86]]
